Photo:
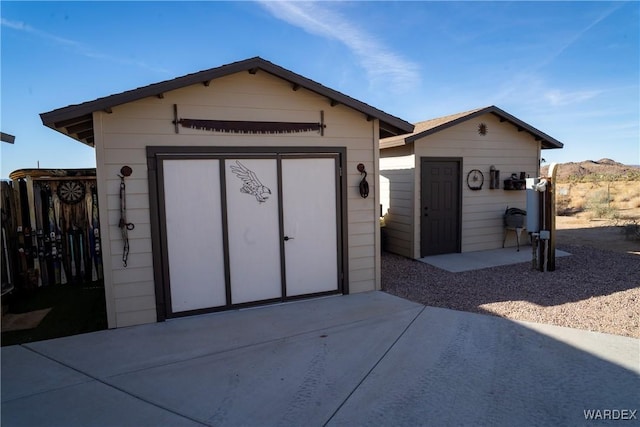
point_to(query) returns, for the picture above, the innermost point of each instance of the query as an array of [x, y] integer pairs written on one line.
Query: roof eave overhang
[[80, 117], [546, 141], [8, 138], [392, 143]]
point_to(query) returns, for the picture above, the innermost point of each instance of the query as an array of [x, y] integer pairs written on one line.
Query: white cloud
[[380, 62], [76, 46], [529, 83], [557, 97], [569, 41], [21, 26], [542, 95]]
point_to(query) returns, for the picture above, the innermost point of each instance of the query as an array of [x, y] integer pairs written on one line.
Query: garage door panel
[[194, 236], [253, 224], [309, 218]]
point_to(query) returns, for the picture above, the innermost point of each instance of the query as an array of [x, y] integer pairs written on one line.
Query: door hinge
[[340, 170]]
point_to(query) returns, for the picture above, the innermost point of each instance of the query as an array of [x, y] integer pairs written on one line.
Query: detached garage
[[229, 187], [445, 187]]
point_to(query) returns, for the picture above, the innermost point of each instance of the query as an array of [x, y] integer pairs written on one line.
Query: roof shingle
[[428, 127], [76, 120]]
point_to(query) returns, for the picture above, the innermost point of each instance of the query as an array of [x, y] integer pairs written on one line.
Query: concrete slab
[[467, 261], [455, 368], [106, 353], [366, 359], [294, 381], [87, 404], [621, 351], [26, 373]]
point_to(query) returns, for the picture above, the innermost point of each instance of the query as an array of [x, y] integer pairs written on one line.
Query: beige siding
[[397, 198], [103, 190], [504, 147], [123, 135]]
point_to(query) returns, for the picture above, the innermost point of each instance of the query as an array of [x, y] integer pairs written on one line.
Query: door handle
[[287, 238]]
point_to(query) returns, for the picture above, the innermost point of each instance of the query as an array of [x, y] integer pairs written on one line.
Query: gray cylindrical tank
[[533, 206]]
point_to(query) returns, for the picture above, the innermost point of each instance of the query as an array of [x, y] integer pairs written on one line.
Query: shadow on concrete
[[487, 371], [364, 359]]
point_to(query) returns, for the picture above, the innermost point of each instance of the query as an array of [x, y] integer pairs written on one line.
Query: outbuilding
[[234, 186], [446, 186]]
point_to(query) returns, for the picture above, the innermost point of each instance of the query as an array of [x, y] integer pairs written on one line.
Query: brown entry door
[[440, 206]]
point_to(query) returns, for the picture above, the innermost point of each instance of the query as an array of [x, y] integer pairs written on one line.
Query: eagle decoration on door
[[250, 183]]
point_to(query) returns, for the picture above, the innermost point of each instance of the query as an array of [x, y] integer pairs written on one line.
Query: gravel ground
[[592, 289]]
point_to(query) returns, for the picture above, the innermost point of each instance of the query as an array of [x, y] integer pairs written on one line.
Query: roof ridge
[[456, 115], [437, 124], [79, 116]]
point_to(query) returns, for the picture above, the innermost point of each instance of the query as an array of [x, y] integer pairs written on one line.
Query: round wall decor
[[475, 179], [71, 192], [482, 129]]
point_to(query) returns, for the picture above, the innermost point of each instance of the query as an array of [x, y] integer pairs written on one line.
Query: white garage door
[[245, 230], [310, 223], [194, 241]]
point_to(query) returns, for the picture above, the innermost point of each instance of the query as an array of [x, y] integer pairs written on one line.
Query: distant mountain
[[603, 169]]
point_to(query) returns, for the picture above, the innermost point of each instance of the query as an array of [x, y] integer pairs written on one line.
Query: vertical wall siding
[[123, 135], [504, 147], [397, 190]]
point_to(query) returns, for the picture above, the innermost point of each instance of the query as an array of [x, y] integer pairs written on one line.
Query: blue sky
[[570, 69]]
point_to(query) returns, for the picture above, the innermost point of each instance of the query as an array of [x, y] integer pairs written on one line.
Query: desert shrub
[[563, 206], [631, 230], [566, 206], [599, 205], [629, 227], [602, 200], [629, 175], [625, 197], [602, 211], [632, 197]]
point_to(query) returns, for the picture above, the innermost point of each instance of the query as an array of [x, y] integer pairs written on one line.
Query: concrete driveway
[[365, 359]]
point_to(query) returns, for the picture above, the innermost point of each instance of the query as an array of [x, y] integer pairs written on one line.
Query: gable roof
[[76, 121], [429, 127]]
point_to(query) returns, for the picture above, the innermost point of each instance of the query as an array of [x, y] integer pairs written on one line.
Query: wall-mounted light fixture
[[364, 185]]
